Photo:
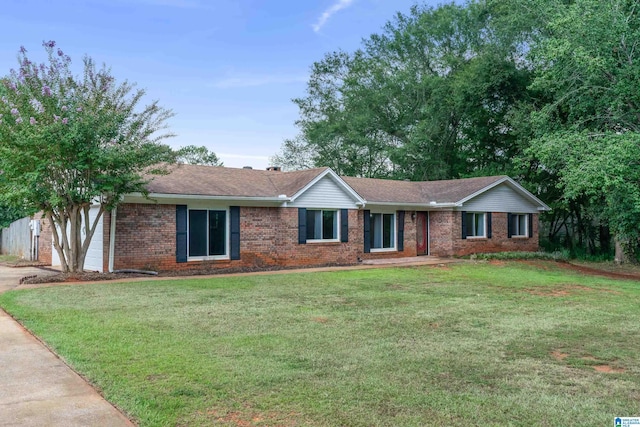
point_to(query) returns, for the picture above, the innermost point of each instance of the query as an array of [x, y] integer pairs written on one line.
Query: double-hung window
[[475, 224], [207, 234], [519, 225], [383, 231], [322, 225]]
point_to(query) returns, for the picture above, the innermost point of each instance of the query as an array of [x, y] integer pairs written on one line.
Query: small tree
[[69, 142]]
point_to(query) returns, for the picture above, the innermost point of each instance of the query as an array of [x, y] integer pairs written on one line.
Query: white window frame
[[336, 222], [227, 241], [484, 227], [517, 221], [394, 240]]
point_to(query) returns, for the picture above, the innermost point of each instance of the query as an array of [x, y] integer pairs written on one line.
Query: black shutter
[[367, 231], [464, 224], [509, 225], [181, 233], [344, 225], [400, 231], [488, 225], [530, 225], [302, 226], [234, 212]]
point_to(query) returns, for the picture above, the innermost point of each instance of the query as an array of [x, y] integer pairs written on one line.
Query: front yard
[[470, 344]]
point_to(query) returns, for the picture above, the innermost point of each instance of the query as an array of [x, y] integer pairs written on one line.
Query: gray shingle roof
[[232, 182], [389, 191], [199, 180]]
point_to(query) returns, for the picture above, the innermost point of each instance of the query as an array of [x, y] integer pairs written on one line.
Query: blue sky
[[228, 69]]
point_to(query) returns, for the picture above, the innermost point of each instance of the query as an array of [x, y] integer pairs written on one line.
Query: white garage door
[[93, 260]]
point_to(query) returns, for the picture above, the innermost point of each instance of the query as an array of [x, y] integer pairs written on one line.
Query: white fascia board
[[520, 189], [337, 179], [423, 206]]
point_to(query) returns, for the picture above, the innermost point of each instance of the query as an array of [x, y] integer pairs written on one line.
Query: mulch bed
[[95, 276]]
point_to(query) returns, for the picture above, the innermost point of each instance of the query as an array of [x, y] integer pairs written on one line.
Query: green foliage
[[428, 98], [586, 135], [9, 213], [470, 344], [543, 90], [193, 155], [67, 142]]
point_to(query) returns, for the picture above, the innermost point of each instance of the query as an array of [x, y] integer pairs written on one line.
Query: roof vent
[[274, 169], [247, 167]]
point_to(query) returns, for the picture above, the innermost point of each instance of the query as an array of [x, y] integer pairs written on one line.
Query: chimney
[[247, 167], [274, 169]]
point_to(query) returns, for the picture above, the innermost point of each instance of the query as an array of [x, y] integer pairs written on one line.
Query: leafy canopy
[[67, 142]]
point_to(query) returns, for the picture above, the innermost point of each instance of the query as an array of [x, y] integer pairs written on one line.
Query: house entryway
[[422, 233]]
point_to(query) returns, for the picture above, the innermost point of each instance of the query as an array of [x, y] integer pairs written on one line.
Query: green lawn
[[471, 344]]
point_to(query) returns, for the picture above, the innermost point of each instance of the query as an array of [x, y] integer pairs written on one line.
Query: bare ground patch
[[592, 362]]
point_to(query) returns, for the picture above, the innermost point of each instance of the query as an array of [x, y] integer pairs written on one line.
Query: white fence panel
[[16, 239]]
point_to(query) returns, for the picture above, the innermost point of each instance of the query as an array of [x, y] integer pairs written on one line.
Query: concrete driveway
[[36, 387]]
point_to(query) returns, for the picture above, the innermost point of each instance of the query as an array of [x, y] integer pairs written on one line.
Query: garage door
[[93, 260]]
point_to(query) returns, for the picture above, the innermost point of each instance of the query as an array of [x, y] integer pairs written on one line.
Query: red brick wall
[[146, 236], [106, 228], [45, 241], [145, 239], [445, 236]]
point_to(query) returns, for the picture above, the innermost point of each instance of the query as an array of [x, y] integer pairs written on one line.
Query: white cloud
[[339, 5], [258, 80]]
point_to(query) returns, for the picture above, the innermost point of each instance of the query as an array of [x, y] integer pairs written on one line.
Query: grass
[[8, 258], [471, 344]]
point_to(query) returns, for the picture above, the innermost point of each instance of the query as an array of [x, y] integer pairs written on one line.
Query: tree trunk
[[621, 256], [72, 246]]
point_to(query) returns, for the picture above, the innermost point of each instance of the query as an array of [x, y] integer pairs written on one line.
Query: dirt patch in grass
[[564, 290], [558, 355], [600, 271], [251, 418], [497, 262], [600, 367], [320, 319], [608, 369]]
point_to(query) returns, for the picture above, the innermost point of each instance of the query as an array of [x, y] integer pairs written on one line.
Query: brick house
[[205, 217]]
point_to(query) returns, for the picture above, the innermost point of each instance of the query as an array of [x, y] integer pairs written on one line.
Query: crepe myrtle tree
[[69, 142]]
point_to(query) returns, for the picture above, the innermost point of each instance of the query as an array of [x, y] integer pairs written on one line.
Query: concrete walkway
[[36, 387]]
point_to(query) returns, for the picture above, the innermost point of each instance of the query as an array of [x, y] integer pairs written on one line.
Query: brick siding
[[146, 239], [445, 229], [45, 243]]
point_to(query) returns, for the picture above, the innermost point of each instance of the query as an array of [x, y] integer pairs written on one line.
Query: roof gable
[[331, 181]]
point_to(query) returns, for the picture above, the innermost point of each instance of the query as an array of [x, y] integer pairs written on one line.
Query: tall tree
[[588, 63], [427, 98], [67, 143]]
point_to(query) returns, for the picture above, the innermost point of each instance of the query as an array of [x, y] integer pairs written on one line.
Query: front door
[[422, 233]]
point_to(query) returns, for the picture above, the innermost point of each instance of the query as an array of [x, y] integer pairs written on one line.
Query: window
[[207, 233], [518, 225], [475, 224], [322, 225], [382, 231]]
